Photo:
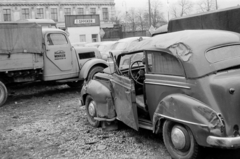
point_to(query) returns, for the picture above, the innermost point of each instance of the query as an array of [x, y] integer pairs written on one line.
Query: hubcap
[[178, 138], [92, 109]]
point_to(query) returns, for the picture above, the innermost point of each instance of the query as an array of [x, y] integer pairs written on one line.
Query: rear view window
[[223, 53]]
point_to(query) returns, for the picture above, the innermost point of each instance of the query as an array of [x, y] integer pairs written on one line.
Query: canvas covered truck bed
[[20, 46], [224, 19]]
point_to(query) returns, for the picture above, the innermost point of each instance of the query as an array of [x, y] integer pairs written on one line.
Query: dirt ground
[[40, 121]]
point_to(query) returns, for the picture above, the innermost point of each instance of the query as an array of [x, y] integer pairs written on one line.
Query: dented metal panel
[[189, 111]]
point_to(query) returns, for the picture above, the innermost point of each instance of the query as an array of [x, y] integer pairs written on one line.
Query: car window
[[130, 58], [164, 63], [56, 39], [223, 53]]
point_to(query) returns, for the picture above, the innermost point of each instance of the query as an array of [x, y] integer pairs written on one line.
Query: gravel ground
[[40, 121]]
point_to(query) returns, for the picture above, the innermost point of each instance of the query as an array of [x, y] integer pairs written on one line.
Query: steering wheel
[[139, 74]]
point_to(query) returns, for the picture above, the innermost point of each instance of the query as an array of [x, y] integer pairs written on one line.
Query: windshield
[[223, 53], [126, 60]]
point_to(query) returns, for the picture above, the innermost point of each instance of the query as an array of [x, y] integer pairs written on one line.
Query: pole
[[149, 7], [216, 5]]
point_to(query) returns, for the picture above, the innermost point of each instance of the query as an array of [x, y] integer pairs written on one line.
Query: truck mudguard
[[181, 108], [103, 98], [87, 66]]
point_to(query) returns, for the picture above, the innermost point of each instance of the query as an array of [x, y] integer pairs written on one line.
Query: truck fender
[[188, 111], [87, 66], [103, 98]]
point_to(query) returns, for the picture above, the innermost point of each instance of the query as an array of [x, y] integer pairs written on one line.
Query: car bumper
[[225, 142]]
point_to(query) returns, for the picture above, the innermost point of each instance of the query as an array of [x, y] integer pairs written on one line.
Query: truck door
[[125, 100], [58, 58]]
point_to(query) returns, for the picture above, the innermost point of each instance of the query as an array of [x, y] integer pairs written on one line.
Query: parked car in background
[[184, 85], [104, 48], [125, 44]]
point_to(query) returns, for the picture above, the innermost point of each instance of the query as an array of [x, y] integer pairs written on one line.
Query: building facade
[[13, 10]]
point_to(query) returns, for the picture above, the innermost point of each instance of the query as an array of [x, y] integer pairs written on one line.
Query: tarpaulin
[[226, 19], [20, 38]]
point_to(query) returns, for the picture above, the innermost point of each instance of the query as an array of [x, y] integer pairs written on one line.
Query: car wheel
[[3, 94], [75, 84], [179, 141], [93, 71], [91, 111]]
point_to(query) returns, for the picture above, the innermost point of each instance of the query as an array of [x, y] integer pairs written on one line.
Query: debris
[[101, 147]]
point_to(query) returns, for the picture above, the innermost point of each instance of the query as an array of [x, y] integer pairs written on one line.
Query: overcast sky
[[123, 5]]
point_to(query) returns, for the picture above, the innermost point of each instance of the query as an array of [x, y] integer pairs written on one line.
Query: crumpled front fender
[[102, 96], [199, 117]]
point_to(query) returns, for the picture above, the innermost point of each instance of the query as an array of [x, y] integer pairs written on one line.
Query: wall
[[75, 32]]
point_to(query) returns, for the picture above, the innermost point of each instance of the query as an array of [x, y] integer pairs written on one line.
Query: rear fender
[[103, 98], [88, 65], [201, 119]]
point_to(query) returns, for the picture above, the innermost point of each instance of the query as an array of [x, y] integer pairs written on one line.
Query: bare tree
[[140, 19], [132, 19], [182, 8], [207, 5], [118, 18], [157, 17]]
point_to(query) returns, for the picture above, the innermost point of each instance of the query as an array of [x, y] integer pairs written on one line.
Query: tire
[[3, 94], [189, 150], [93, 71], [76, 84], [90, 115]]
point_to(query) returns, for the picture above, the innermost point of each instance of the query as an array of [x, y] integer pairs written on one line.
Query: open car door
[[125, 100]]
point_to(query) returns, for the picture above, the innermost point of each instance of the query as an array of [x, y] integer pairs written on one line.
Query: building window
[[6, 14], [54, 14], [105, 14], [25, 13], [67, 11], [92, 10], [40, 13], [94, 38], [82, 38], [80, 11]]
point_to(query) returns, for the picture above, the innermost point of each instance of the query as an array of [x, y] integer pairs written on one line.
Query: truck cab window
[[56, 39]]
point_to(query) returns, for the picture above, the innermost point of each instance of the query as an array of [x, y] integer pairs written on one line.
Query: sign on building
[[82, 20]]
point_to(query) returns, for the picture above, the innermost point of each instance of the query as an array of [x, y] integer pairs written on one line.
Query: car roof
[[131, 39], [197, 43]]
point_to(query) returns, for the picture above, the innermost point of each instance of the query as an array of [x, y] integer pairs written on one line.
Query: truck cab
[[31, 53]]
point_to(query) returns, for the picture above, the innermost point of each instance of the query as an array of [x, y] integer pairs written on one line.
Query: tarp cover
[[20, 38], [226, 19]]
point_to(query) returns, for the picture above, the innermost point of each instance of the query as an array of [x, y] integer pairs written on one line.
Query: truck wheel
[[93, 71], [180, 141], [77, 84], [91, 111], [3, 94]]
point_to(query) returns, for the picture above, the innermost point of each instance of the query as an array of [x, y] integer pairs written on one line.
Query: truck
[[31, 53]]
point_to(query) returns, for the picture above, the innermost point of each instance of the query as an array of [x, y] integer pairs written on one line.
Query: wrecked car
[[185, 85]]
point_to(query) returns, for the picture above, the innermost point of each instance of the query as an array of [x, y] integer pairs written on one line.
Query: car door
[[165, 76], [125, 100], [58, 57]]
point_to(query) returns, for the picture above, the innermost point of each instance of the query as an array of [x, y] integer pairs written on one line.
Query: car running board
[[145, 124]]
